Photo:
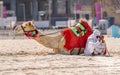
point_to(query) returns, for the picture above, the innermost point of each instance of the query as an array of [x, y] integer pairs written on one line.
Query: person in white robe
[[95, 44]]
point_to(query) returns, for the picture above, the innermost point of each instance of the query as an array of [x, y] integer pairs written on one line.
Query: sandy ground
[[27, 57]]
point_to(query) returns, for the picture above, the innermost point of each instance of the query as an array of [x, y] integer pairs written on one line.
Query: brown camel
[[54, 42]]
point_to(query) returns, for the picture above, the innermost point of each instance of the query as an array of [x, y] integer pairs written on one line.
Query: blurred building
[[54, 10], [47, 9], [111, 11]]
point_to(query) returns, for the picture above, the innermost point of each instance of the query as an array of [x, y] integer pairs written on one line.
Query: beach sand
[[27, 57]]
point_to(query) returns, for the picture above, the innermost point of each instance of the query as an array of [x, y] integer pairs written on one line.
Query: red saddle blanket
[[73, 41]]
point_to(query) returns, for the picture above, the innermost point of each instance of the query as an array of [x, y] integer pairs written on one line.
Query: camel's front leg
[[77, 51], [62, 50]]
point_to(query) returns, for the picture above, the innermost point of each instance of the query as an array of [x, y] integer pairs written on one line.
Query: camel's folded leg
[[77, 51], [62, 50], [55, 50]]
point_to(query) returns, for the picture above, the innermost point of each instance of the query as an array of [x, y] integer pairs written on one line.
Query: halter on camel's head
[[27, 28]]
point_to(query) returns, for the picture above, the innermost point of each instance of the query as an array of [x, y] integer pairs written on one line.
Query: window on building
[[61, 6], [43, 8], [1, 6], [86, 2], [7, 5], [43, 5]]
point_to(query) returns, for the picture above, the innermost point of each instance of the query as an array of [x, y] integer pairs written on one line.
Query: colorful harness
[[77, 29], [31, 33]]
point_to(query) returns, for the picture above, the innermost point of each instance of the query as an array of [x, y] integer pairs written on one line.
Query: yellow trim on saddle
[[75, 31]]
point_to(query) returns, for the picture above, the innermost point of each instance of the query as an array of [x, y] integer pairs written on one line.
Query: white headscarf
[[93, 36], [96, 32]]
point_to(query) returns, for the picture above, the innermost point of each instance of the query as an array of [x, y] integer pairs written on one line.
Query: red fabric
[[105, 52], [72, 41], [28, 34]]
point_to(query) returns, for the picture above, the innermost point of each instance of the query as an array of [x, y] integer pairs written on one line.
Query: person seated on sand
[[95, 45]]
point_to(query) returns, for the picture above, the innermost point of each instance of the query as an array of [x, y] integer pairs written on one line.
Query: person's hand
[[102, 38]]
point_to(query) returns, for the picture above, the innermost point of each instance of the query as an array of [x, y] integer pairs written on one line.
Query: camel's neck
[[50, 42]]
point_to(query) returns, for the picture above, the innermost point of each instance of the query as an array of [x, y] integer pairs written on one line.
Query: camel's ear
[[29, 23], [32, 21]]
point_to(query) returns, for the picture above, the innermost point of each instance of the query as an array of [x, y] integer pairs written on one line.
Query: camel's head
[[25, 27]]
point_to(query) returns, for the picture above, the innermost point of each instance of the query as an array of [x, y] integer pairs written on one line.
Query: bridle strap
[[23, 29], [37, 31], [27, 31]]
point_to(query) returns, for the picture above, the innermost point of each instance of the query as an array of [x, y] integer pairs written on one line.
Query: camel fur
[[54, 42]]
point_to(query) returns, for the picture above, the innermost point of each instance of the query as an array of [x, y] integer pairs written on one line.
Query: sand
[[27, 57]]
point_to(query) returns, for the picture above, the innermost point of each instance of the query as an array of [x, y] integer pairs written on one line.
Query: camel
[[57, 43]]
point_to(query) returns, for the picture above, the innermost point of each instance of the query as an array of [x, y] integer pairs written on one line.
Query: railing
[[9, 34]]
